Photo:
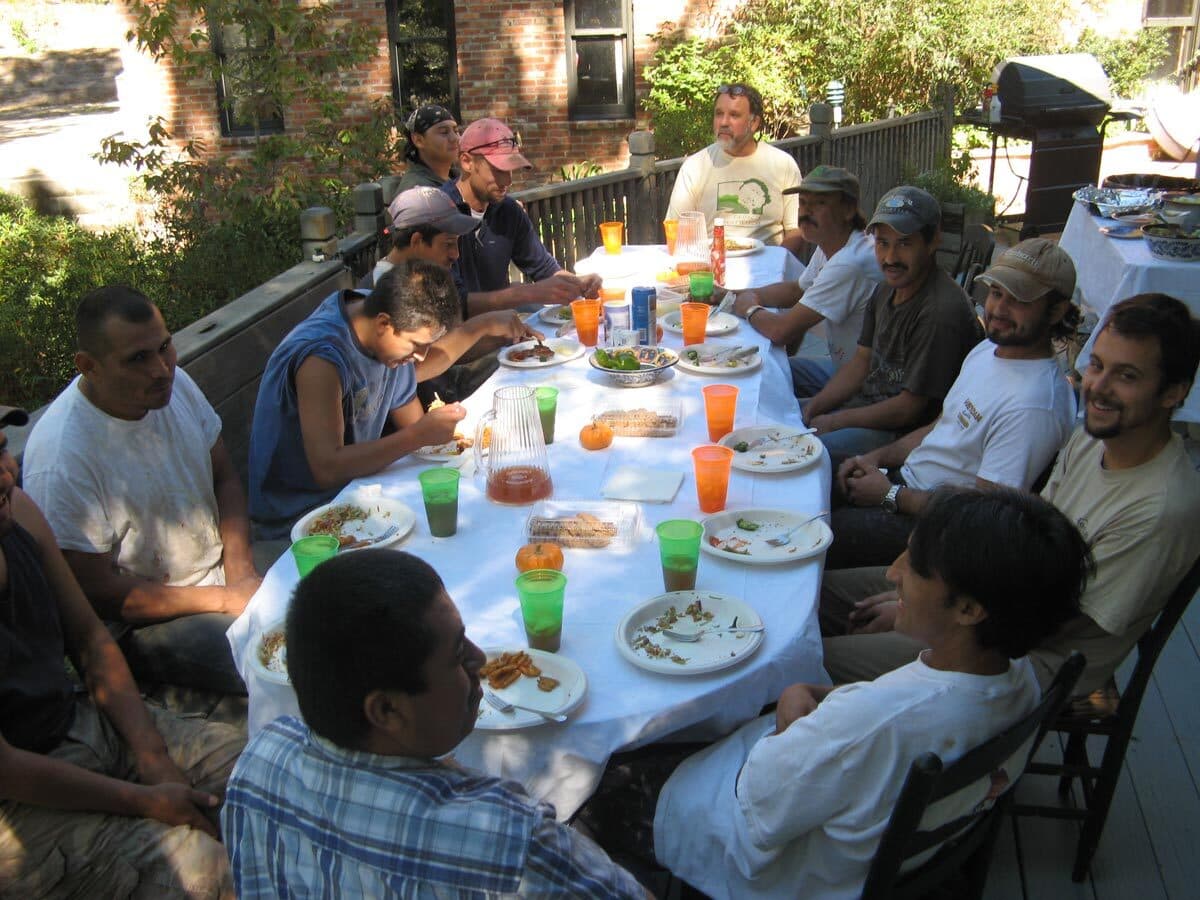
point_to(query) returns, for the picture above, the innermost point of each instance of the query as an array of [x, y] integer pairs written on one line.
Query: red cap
[[494, 140]]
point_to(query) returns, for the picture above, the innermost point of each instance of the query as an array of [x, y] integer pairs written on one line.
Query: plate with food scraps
[[449, 450], [718, 323], [735, 247], [772, 448], [558, 687], [1121, 232], [270, 655], [358, 521], [742, 535], [720, 359], [532, 355], [640, 637], [555, 315]]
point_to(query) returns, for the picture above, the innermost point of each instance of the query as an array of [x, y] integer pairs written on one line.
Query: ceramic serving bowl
[[654, 362], [1171, 243], [1182, 210]]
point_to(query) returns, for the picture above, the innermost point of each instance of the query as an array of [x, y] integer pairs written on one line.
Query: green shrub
[[1128, 61]]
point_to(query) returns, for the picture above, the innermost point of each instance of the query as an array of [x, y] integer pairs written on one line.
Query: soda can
[[616, 317], [645, 314]]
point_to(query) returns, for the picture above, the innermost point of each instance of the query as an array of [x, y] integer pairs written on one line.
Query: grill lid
[[1068, 88]]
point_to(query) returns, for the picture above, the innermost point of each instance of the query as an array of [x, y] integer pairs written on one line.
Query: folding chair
[[966, 842], [1112, 714]]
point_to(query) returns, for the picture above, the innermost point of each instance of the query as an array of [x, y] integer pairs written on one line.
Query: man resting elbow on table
[[360, 798], [338, 379]]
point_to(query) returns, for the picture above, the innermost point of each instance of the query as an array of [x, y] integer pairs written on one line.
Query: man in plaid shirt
[[360, 798]]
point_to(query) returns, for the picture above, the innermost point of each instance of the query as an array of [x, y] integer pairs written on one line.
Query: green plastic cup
[[547, 404], [439, 489], [309, 552], [679, 552], [541, 593], [701, 285]]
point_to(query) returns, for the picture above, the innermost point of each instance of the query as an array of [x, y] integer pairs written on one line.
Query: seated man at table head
[[917, 331], [359, 799], [1003, 420], [1126, 481], [793, 805], [130, 468], [738, 177], [336, 381], [836, 286], [100, 795], [488, 154]]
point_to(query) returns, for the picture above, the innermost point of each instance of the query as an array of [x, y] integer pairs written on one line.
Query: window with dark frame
[[1181, 20], [424, 63], [245, 105], [599, 59]]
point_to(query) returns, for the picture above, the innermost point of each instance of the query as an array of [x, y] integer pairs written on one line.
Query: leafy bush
[[1128, 61]]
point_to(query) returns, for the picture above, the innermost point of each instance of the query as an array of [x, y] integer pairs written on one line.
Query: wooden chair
[[1112, 714], [966, 842]]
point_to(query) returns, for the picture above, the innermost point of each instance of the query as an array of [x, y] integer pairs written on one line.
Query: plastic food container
[[584, 524], [629, 417]]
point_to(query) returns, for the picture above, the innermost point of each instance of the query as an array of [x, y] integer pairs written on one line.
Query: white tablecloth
[[625, 706], [1109, 270]]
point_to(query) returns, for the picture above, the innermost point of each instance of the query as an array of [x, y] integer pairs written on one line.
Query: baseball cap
[[494, 140], [429, 206], [13, 415], [826, 180], [1031, 269], [906, 209]]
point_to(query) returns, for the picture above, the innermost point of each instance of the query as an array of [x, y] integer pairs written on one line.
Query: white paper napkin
[[640, 483]]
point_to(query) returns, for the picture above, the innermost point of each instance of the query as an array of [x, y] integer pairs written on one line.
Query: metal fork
[[382, 536], [782, 540], [499, 703], [689, 637]]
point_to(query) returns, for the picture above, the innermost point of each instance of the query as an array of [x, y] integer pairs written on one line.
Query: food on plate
[[272, 652], [595, 436], [720, 358], [656, 651], [579, 530], [731, 544], [536, 353], [508, 667], [734, 245], [741, 446], [540, 555], [687, 268], [457, 447], [618, 360], [562, 313], [334, 519], [748, 525], [638, 422], [547, 684]]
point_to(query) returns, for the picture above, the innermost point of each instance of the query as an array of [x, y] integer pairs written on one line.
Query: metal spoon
[[499, 703], [690, 637], [782, 540]]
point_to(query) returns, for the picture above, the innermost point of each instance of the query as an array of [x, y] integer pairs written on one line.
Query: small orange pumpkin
[[595, 436], [540, 556]]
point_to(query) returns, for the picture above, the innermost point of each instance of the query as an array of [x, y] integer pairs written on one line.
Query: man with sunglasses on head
[[488, 154], [740, 178]]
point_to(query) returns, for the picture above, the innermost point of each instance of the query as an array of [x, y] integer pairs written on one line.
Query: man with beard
[[1123, 478], [1004, 418]]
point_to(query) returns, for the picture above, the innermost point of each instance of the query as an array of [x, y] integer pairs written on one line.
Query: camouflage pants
[[47, 852]]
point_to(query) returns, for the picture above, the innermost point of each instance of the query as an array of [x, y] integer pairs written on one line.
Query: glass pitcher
[[515, 467]]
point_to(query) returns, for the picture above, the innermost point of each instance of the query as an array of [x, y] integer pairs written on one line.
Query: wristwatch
[[752, 310], [890, 500]]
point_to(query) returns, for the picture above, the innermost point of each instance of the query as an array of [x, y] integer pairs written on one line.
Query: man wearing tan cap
[[1004, 418], [489, 153]]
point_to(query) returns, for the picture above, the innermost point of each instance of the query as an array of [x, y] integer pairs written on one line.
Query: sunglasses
[[740, 90], [501, 144]]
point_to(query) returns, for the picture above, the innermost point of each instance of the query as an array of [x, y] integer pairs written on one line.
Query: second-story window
[[246, 104], [424, 66], [599, 58]]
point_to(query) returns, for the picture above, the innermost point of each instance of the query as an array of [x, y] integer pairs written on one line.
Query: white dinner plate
[[447, 451], [725, 539], [772, 448], [639, 639], [564, 349], [556, 316], [566, 697], [382, 514], [708, 351], [734, 254], [718, 323]]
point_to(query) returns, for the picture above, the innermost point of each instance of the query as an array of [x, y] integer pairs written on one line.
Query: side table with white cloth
[[1108, 270], [625, 706]]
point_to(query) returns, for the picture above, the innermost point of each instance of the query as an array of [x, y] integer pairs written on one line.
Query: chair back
[[965, 842]]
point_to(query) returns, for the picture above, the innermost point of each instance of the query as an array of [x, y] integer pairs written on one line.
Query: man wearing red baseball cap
[[488, 154]]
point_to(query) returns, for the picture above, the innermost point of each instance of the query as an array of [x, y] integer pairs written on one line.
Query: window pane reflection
[[599, 71]]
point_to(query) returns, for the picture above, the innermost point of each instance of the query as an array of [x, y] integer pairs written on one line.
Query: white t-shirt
[[748, 191], [381, 268], [1002, 420], [143, 490], [840, 288], [800, 814]]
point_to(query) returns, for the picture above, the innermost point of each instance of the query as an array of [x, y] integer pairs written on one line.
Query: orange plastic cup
[[694, 317], [671, 230], [720, 403], [613, 235], [712, 464], [612, 293], [587, 321]]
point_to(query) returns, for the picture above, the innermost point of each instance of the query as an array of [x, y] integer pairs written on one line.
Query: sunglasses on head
[[740, 90], [501, 144]]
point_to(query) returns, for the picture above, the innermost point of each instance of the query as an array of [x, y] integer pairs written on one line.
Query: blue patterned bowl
[[1168, 242], [654, 361]]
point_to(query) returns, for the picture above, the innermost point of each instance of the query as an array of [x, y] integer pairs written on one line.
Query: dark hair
[[1065, 327], [1167, 320], [402, 237], [357, 624], [859, 222], [415, 294], [97, 307], [753, 97], [422, 119], [1012, 552]]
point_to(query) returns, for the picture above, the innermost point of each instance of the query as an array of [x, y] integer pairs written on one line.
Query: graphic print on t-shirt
[[741, 202]]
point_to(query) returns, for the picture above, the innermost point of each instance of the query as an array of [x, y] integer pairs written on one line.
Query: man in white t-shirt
[[1002, 422], [738, 177], [129, 468], [837, 283], [794, 804]]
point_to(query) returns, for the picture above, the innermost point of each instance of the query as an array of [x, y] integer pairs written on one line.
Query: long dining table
[[625, 706]]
